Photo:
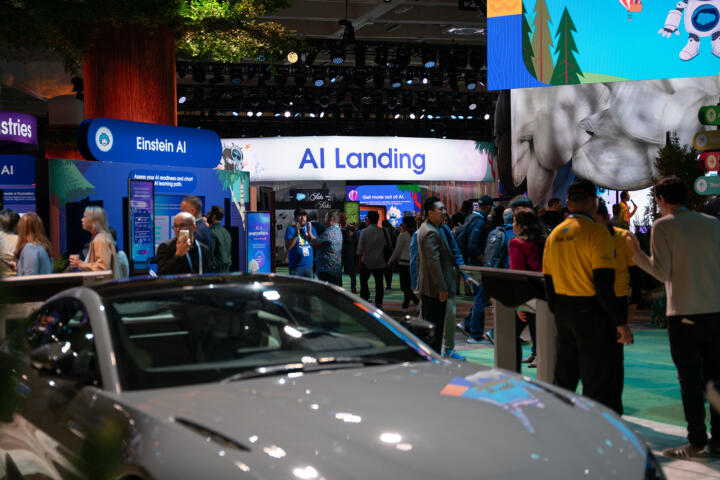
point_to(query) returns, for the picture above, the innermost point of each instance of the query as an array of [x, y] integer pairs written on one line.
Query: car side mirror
[[59, 358], [420, 327]]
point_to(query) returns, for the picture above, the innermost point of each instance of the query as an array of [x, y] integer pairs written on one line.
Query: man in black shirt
[[554, 215], [183, 253]]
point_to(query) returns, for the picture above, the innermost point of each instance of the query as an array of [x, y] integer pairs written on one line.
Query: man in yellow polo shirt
[[579, 268]]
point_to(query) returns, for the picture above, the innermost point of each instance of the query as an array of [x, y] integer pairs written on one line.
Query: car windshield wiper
[[329, 363]]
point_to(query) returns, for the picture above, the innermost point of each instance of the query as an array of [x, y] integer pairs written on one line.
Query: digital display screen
[[398, 200], [142, 224], [563, 42], [259, 244]]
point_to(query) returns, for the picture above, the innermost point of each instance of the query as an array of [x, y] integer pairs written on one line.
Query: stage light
[[412, 116], [428, 58], [249, 113], [292, 57], [287, 114], [359, 55], [182, 99], [395, 80], [473, 105], [470, 81], [235, 114], [337, 54], [322, 114], [397, 115], [198, 73], [318, 80], [487, 116]]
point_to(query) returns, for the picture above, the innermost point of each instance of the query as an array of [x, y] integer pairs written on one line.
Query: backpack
[[496, 249], [462, 234]]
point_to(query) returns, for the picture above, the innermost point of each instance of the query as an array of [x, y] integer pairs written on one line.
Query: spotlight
[[429, 58], [181, 70], [472, 106], [287, 114], [235, 114], [487, 116], [470, 81], [198, 73], [378, 79], [337, 54], [318, 80], [409, 77], [292, 57], [249, 113], [395, 80], [412, 116], [258, 114], [359, 55], [182, 99], [322, 114], [397, 115], [381, 58]]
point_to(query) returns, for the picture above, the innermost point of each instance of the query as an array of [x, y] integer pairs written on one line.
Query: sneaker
[[461, 327], [490, 335], [691, 50], [684, 452], [478, 341], [529, 359], [453, 354]]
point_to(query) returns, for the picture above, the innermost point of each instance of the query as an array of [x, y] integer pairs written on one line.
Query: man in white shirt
[[685, 255]]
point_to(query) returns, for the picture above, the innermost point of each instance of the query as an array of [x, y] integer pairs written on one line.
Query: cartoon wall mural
[[565, 42], [702, 19], [611, 131]]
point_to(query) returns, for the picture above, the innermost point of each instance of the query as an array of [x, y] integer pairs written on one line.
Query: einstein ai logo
[[104, 139]]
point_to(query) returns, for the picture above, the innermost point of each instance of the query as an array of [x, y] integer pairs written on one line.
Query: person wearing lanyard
[[579, 267], [183, 253]]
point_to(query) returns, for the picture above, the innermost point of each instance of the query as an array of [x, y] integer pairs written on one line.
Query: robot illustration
[[702, 19]]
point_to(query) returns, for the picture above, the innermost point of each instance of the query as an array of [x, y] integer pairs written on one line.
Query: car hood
[[414, 420]]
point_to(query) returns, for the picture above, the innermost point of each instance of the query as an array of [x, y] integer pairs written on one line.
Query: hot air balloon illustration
[[632, 6]]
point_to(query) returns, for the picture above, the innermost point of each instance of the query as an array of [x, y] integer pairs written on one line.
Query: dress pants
[[365, 290], [586, 348], [695, 350], [434, 312]]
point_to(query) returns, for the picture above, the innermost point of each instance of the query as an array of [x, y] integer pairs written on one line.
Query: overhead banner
[[17, 183], [18, 128], [564, 42], [359, 158], [109, 140]]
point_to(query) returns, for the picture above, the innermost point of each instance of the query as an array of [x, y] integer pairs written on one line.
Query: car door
[[60, 381]]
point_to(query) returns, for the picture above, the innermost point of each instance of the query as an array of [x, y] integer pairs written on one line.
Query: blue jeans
[[302, 272], [474, 323]]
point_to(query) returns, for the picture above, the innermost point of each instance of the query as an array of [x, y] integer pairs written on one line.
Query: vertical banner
[[141, 201], [259, 245]]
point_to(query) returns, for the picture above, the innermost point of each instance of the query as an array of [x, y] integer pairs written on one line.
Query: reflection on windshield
[[191, 336]]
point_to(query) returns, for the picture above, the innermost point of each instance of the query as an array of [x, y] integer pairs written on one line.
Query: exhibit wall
[[611, 131]]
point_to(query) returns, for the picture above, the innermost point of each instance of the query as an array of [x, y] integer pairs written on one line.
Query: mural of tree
[[567, 71], [527, 50], [542, 43], [237, 182], [67, 183]]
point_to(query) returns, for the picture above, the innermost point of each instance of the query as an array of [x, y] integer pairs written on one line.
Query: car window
[[196, 335], [64, 324]]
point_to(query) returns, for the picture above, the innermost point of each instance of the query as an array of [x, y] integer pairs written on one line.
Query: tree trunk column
[[129, 74]]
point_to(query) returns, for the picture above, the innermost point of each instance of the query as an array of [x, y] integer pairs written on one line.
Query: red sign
[[709, 161]]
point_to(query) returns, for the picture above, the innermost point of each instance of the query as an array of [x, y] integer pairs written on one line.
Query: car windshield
[[229, 332]]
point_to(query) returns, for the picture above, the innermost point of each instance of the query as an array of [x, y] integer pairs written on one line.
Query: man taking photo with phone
[[297, 243], [183, 253]]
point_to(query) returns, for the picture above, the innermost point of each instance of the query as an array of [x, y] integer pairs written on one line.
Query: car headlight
[[652, 468]]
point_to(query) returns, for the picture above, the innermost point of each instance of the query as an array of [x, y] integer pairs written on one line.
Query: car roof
[[149, 284]]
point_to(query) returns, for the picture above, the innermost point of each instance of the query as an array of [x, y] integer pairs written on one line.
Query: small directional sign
[[709, 115], [708, 140], [710, 161], [707, 185]]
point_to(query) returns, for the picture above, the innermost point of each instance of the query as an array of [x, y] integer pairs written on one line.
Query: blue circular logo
[[705, 18], [104, 139]]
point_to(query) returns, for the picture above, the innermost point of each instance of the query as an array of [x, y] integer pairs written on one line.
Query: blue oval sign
[[110, 140]]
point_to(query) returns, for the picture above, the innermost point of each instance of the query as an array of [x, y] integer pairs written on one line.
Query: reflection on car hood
[[403, 421]]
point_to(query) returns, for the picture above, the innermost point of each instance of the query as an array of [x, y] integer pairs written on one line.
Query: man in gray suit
[[436, 280]]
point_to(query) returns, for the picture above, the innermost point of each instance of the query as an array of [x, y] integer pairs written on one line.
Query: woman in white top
[[401, 254]]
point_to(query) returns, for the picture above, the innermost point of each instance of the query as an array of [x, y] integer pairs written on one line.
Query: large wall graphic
[[564, 42], [611, 132]]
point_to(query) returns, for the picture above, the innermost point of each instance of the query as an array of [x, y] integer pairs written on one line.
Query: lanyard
[[200, 266]]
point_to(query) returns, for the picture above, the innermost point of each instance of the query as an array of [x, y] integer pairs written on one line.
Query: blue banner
[[259, 247], [17, 182], [167, 181], [142, 225], [111, 140]]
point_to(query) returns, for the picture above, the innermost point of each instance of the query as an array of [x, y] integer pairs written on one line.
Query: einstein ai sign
[[358, 158]]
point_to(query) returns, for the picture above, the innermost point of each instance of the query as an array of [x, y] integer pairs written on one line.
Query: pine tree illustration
[[542, 42], [526, 43], [567, 71]]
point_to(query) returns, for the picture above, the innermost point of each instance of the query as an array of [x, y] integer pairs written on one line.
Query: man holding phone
[[297, 243], [183, 253]]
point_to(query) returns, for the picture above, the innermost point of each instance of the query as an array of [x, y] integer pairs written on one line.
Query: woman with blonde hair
[[102, 247], [33, 247]]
